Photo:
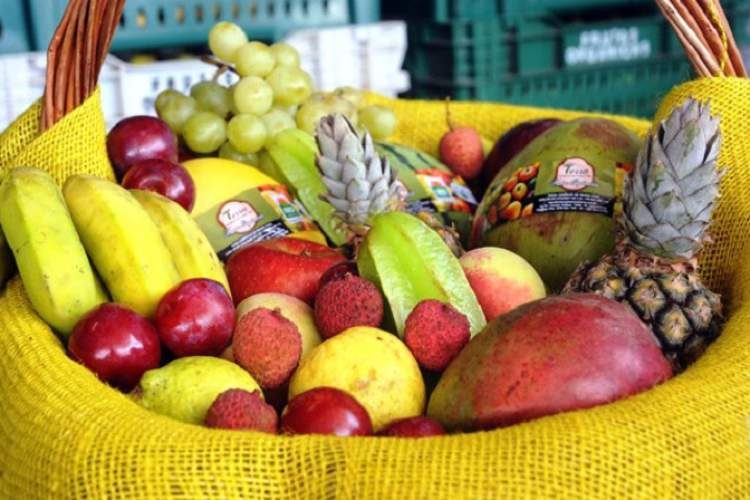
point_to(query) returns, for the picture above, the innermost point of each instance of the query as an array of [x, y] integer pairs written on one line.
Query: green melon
[[553, 204]]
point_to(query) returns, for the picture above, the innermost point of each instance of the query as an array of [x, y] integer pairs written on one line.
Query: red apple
[[285, 265], [117, 344], [325, 410], [164, 177], [415, 427], [140, 138], [196, 318], [508, 146]]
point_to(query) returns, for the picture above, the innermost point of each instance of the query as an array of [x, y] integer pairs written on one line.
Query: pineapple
[[667, 206], [361, 183]]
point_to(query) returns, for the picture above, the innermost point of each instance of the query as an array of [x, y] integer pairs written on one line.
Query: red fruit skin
[[509, 145], [285, 265], [414, 427], [435, 333], [347, 302], [115, 343], [553, 355], [241, 409], [337, 272], [267, 345], [196, 318], [461, 149], [140, 138], [163, 177], [325, 410]]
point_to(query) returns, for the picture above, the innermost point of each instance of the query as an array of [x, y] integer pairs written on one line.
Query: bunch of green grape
[[273, 93]]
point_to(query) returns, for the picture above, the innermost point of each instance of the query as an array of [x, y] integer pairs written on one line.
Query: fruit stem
[[221, 65], [448, 119]]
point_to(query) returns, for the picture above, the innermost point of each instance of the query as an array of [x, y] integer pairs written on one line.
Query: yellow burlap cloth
[[63, 434]]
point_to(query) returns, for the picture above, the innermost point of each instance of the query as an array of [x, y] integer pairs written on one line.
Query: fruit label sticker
[[570, 185], [255, 215], [237, 217], [574, 174]]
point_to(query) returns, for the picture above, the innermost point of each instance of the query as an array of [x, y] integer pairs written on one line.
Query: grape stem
[[220, 65]]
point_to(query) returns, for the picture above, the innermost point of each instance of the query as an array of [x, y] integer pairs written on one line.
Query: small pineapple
[[667, 206], [360, 182]]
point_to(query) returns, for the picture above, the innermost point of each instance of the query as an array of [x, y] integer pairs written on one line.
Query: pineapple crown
[[669, 198], [360, 183]]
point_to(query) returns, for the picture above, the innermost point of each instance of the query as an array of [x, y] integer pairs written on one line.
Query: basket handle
[[704, 32], [76, 55]]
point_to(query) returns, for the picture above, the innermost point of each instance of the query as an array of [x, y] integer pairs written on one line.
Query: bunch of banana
[[190, 249], [56, 273], [123, 242]]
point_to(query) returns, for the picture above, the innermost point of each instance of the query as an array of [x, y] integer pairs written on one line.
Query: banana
[[294, 151], [191, 251], [122, 241], [56, 273]]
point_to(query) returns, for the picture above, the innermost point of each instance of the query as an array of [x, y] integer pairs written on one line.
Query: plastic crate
[[453, 10], [149, 24], [495, 49], [13, 27], [633, 88]]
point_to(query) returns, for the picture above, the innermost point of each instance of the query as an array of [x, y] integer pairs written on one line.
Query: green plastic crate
[[633, 88], [13, 27], [494, 49], [150, 24], [474, 10]]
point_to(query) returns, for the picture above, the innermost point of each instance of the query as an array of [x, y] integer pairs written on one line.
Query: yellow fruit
[[56, 273], [218, 180], [372, 365], [191, 251], [292, 309], [185, 388], [122, 241]]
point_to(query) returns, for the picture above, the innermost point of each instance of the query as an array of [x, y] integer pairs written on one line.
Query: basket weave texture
[[66, 435]]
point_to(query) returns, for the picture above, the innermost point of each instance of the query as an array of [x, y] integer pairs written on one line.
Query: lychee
[[241, 409], [461, 149], [347, 302], [267, 345], [435, 332], [338, 272]]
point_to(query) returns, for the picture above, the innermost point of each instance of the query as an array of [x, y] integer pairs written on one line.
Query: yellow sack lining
[[66, 435]]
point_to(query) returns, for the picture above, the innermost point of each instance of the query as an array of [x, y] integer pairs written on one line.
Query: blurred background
[[616, 56]]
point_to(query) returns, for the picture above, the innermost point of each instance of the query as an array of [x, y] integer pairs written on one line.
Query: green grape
[[285, 54], [290, 85], [342, 106], [318, 96], [212, 97], [247, 133], [290, 110], [380, 121], [205, 132], [253, 95], [228, 152], [309, 115], [224, 39], [163, 97], [254, 59], [175, 109], [354, 96], [277, 120]]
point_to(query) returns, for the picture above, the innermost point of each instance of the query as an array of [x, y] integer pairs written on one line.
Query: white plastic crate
[[366, 56]]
